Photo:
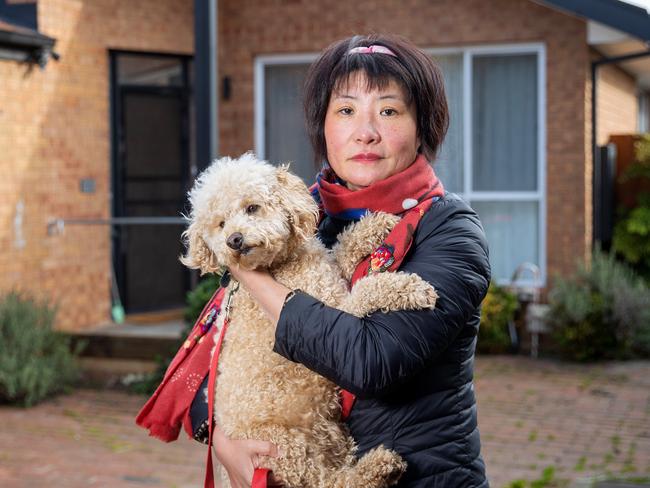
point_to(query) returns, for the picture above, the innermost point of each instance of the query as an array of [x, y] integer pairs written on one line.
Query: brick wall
[[252, 28], [54, 130], [617, 103], [54, 124]]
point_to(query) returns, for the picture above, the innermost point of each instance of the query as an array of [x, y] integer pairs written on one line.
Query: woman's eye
[[345, 111], [388, 111], [221, 224], [251, 209]]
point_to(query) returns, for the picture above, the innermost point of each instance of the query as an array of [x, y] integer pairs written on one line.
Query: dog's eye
[[251, 209], [221, 224]]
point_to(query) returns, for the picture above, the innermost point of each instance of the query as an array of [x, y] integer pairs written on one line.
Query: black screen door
[[151, 179]]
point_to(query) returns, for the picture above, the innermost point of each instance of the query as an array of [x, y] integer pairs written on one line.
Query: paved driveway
[[578, 420]]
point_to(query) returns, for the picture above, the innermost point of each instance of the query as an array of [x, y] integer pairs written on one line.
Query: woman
[[375, 110]]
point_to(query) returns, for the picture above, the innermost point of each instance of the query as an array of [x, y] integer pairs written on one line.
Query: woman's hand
[[240, 458], [267, 292]]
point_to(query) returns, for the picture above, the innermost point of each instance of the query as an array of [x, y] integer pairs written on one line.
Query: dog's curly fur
[[259, 394]]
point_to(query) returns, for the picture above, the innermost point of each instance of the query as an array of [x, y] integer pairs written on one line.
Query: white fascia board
[[598, 33]]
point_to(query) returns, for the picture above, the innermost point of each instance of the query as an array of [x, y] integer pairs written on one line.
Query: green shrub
[[497, 310], [631, 239], [35, 360], [602, 312], [641, 166], [198, 297]]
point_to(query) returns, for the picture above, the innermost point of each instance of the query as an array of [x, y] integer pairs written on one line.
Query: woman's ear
[[297, 202], [199, 255]]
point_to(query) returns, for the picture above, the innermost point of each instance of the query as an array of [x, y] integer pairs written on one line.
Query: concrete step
[[132, 340], [114, 353], [112, 373]]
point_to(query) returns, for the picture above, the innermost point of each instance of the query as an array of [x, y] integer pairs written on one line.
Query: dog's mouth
[[243, 251]]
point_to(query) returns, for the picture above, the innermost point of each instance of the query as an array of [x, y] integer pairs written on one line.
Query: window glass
[[512, 230], [504, 123], [149, 70], [284, 124]]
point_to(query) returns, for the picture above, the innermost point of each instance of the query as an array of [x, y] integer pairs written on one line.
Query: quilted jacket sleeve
[[371, 355]]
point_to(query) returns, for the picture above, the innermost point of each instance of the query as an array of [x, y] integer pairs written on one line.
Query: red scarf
[[168, 408], [409, 193]]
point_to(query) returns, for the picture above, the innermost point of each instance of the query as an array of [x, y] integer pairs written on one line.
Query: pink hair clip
[[375, 48]]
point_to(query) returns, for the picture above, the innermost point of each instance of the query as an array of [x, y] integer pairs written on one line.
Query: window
[[494, 152], [280, 133], [493, 155]]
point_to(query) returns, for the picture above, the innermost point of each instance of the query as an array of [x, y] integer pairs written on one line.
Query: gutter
[[23, 44]]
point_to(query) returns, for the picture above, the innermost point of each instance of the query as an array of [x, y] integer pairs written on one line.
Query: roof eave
[[627, 18]]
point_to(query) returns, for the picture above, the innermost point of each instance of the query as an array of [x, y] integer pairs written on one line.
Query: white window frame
[[261, 62], [466, 52], [497, 196]]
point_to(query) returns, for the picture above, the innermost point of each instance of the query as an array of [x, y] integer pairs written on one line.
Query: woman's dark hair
[[417, 73]]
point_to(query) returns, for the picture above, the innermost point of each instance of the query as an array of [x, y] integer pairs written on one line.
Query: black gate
[[604, 196]]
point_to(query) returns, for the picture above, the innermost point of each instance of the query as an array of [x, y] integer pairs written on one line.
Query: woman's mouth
[[366, 157]]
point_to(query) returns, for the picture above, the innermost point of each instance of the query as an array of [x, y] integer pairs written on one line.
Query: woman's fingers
[[263, 448]]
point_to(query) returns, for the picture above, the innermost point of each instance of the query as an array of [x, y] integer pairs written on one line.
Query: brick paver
[[582, 420]]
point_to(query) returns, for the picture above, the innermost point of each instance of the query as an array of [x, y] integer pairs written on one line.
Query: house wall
[[617, 104], [252, 28], [54, 131]]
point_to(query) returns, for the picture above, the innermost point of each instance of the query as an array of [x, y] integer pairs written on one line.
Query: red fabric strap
[[212, 376], [347, 401], [261, 478]]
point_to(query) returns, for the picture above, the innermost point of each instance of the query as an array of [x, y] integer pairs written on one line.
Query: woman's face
[[370, 135]]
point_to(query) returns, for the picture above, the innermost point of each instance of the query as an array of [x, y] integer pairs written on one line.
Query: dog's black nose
[[235, 241]]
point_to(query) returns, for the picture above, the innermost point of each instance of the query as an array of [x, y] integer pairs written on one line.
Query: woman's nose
[[366, 132]]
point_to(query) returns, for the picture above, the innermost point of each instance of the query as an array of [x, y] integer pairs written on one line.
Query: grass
[[546, 480]]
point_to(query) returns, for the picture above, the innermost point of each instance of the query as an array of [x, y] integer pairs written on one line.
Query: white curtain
[[504, 145], [449, 164], [504, 125], [284, 124]]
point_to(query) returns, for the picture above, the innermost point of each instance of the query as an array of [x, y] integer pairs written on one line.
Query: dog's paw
[[388, 292], [378, 468], [361, 238]]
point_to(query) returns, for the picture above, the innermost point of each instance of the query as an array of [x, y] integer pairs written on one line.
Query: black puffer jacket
[[410, 370]]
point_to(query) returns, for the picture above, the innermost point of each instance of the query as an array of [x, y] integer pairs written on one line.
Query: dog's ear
[[298, 203], [199, 255]]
